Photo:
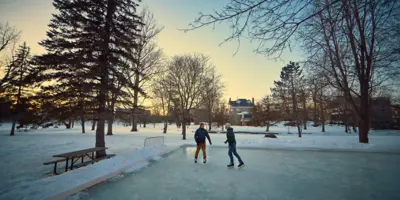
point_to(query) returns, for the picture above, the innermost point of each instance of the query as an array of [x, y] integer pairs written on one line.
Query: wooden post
[[72, 163], [55, 169], [66, 165]]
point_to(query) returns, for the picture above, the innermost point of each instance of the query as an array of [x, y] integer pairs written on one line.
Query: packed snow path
[[269, 174]]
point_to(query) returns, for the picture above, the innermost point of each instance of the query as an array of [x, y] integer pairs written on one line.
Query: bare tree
[[303, 99], [221, 116], [162, 98], [148, 58], [187, 76], [18, 81], [266, 106], [9, 36], [213, 93], [355, 35]]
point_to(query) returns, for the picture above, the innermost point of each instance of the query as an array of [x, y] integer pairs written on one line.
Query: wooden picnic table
[[81, 154]]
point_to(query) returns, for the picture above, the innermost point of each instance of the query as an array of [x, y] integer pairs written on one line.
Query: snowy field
[[22, 155]]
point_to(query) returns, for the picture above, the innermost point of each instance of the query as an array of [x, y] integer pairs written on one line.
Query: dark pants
[[201, 146], [232, 150]]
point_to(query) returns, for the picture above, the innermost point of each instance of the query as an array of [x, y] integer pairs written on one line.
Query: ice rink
[[269, 174]]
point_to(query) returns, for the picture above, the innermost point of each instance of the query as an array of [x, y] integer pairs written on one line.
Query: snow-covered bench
[[76, 156]]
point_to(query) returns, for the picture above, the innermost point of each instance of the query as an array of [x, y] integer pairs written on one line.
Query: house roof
[[241, 103]]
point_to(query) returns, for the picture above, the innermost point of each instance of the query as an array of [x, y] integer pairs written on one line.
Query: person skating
[[230, 139], [200, 138]]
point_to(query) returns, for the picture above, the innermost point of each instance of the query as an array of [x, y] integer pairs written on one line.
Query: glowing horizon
[[246, 75]]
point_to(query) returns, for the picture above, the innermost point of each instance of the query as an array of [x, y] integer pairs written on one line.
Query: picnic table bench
[[76, 156]]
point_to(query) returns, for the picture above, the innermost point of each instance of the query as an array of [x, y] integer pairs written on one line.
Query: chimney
[[229, 100], [252, 100]]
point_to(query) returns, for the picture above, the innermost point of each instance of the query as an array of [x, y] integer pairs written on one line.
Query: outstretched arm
[[208, 137]]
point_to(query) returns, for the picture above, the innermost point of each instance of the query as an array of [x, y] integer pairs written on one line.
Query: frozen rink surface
[[269, 174]]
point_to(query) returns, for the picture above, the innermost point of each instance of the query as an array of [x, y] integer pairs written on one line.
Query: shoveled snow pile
[[61, 186]]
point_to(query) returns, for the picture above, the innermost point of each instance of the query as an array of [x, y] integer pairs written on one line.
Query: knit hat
[[227, 125]]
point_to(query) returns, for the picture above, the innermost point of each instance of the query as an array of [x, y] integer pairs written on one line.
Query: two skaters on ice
[[200, 138]]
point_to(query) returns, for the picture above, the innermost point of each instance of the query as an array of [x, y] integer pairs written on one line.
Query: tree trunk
[[268, 124], [346, 127], [135, 102], [315, 110], [72, 123], [364, 113], [134, 123], [322, 116], [298, 127], [13, 127], [184, 131], [67, 125], [100, 140], [165, 127], [93, 125], [83, 123], [305, 114], [110, 125], [295, 114], [110, 120], [144, 121], [183, 126], [209, 120]]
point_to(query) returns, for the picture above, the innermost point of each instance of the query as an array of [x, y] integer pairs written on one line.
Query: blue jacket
[[200, 136]]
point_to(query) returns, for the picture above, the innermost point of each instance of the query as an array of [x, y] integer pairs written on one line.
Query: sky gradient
[[245, 74]]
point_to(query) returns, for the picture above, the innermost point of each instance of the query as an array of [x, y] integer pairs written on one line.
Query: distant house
[[241, 111]]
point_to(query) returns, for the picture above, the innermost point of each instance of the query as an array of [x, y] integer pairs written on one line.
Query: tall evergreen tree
[[89, 42], [18, 83], [288, 88]]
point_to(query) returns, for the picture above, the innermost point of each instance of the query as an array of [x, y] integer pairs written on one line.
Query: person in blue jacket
[[230, 138], [200, 138]]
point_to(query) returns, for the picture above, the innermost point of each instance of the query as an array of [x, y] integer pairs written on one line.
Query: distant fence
[[154, 141]]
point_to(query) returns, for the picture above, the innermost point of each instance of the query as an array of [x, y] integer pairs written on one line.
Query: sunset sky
[[245, 74]]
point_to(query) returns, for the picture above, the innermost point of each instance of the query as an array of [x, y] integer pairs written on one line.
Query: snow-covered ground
[[22, 155]]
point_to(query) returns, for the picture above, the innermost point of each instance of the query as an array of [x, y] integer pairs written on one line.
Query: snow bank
[[61, 186]]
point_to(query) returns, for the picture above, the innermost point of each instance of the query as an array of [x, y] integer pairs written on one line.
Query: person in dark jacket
[[200, 137], [230, 139]]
